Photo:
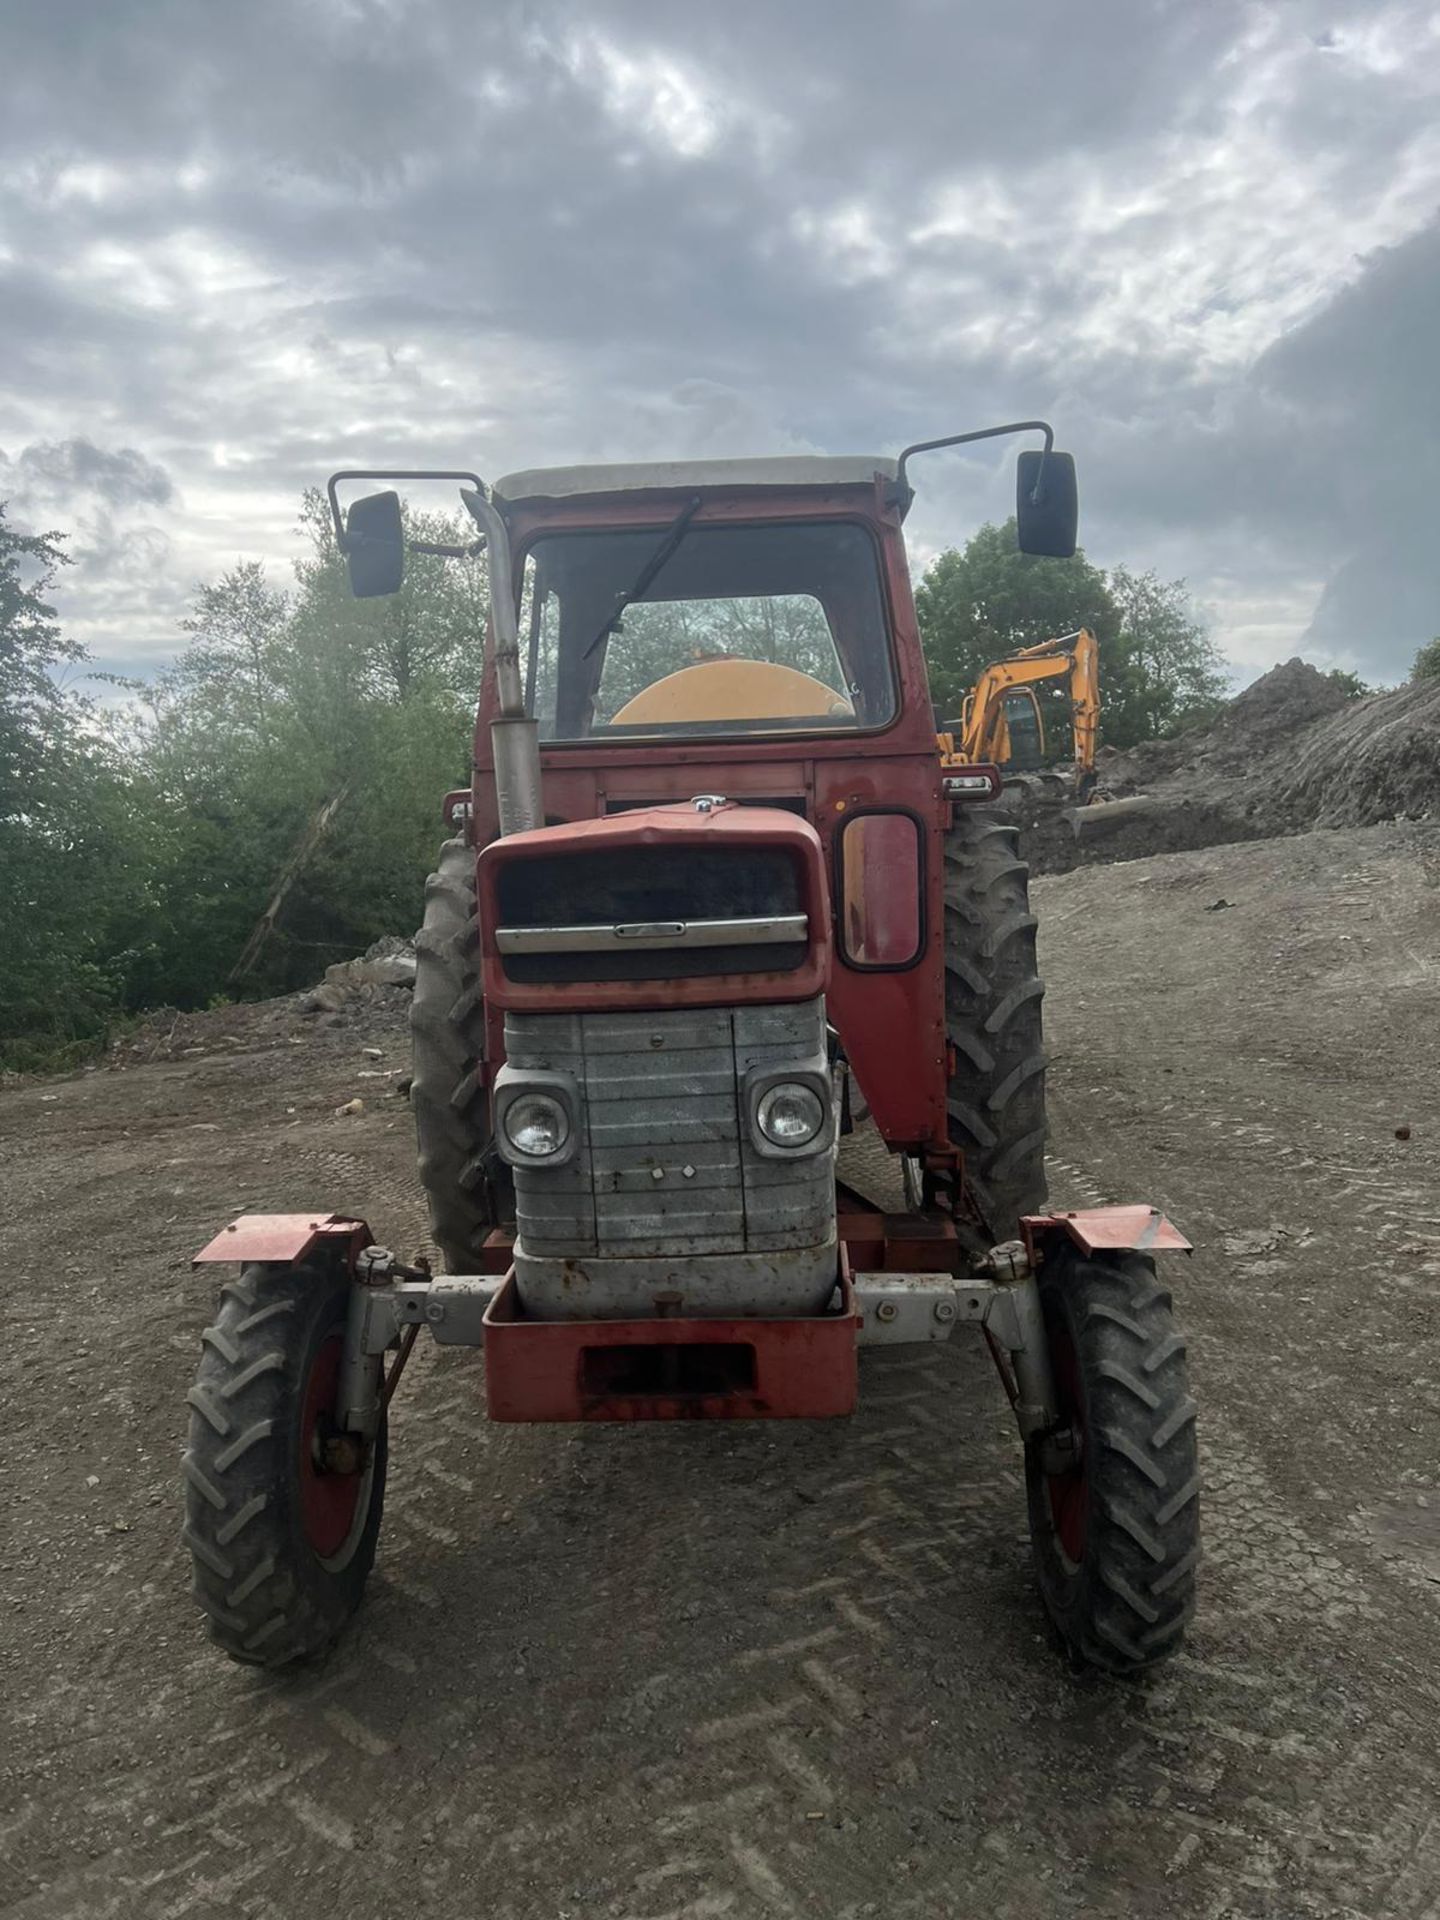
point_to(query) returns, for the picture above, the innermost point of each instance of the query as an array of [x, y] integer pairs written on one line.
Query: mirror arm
[[904, 493], [393, 473], [445, 553], [515, 738]]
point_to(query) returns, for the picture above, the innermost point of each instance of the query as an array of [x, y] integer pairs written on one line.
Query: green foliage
[[139, 848], [58, 819], [1427, 661], [32, 709], [981, 602], [1159, 670], [1350, 684], [1165, 672]]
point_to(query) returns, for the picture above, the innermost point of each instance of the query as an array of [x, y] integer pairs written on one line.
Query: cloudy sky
[[241, 245]]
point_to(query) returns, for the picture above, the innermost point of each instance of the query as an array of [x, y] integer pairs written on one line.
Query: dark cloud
[[242, 244], [61, 470]]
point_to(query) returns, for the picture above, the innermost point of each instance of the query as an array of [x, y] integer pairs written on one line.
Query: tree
[[1427, 661], [31, 644], [1159, 669], [981, 602], [1350, 684], [237, 629], [1165, 672], [428, 635], [287, 709], [70, 839]]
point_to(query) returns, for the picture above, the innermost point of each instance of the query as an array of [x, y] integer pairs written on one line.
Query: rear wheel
[[1115, 1506], [996, 1095], [467, 1185], [282, 1510]]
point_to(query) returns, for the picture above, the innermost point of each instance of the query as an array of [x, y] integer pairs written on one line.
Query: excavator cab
[[1026, 730], [1019, 741], [1003, 720]]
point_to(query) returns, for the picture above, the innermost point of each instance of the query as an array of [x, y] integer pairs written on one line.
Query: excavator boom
[[985, 733]]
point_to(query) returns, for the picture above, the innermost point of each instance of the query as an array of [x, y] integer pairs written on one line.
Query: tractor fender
[[1137, 1229], [285, 1239]]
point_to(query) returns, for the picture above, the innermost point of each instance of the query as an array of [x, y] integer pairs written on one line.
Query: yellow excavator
[[1002, 723]]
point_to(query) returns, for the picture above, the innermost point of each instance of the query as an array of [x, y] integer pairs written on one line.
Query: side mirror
[[1047, 506], [375, 546]]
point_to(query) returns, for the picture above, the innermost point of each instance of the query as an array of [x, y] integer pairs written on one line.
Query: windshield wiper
[[645, 579]]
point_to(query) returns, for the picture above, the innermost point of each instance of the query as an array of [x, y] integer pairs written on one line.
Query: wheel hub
[[331, 1460]]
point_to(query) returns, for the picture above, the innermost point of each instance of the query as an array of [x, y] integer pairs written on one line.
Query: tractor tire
[[466, 1183], [996, 1096], [280, 1544], [1116, 1531]]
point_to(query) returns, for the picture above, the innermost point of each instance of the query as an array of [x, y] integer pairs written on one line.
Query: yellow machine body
[[984, 737]]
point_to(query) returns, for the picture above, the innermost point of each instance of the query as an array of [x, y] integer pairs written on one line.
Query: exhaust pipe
[[514, 737]]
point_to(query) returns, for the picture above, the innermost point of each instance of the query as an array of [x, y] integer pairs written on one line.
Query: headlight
[[536, 1125], [789, 1115]]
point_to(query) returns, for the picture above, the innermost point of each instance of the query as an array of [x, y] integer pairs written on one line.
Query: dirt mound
[[1378, 759], [371, 991], [1257, 724], [1290, 753], [1272, 710]]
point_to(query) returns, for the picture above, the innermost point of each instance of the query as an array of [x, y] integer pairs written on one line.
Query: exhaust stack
[[514, 737]]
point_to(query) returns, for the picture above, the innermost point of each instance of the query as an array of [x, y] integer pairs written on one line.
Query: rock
[[387, 970], [1251, 1244], [351, 1106]]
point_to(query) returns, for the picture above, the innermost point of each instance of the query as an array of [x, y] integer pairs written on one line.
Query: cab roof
[[687, 476]]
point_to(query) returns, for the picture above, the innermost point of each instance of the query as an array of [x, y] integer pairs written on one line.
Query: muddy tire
[[1116, 1528], [996, 1096], [466, 1183], [281, 1544]]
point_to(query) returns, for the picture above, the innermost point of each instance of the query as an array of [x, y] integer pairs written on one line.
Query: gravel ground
[[772, 1670]]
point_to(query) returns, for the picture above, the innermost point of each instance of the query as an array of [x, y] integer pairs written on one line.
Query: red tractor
[[711, 899]]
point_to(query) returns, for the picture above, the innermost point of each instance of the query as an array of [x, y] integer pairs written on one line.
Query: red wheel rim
[[1069, 1491], [328, 1500]]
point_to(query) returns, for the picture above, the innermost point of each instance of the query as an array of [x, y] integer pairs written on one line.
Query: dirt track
[[769, 1670]]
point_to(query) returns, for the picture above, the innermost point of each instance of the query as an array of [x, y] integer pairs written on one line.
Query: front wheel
[[1114, 1491], [282, 1509]]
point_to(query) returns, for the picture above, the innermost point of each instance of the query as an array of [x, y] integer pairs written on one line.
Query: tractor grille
[[590, 893], [661, 1094]]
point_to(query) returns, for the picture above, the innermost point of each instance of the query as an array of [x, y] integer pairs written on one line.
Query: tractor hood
[[703, 903]]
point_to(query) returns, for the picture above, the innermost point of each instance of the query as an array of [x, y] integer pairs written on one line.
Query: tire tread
[[265, 1597], [1129, 1602], [993, 993]]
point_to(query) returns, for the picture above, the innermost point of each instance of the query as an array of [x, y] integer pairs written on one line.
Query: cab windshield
[[740, 630]]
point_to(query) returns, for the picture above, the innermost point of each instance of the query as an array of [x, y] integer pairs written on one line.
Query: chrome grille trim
[[756, 930]]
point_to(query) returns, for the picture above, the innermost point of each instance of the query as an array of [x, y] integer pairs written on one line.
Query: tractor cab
[[735, 602], [703, 623]]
